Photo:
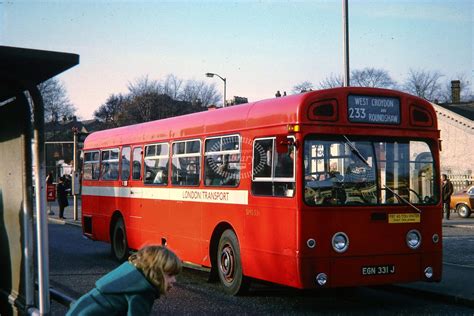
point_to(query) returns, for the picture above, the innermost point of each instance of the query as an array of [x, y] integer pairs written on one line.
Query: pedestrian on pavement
[[446, 191], [62, 197], [131, 288], [50, 178]]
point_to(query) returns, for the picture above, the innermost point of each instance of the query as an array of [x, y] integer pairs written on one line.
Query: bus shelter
[[21, 125]]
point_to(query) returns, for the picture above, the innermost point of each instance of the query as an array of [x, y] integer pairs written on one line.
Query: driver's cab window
[[273, 169], [344, 170], [339, 172]]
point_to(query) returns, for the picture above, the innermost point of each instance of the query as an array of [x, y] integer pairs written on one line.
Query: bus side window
[[222, 161], [186, 162], [110, 164], [125, 173], [273, 173], [156, 164], [137, 163], [91, 166]]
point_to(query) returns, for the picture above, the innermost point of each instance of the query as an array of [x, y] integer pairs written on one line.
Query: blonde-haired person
[[132, 287]]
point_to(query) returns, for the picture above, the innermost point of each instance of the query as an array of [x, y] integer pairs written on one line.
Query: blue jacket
[[124, 290]]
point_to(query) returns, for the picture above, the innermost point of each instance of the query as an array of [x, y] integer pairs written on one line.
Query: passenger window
[[273, 172], [110, 164], [125, 175], [137, 163], [91, 165], [222, 161], [186, 162], [156, 164]]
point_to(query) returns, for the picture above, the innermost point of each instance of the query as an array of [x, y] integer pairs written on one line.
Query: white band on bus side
[[171, 194]]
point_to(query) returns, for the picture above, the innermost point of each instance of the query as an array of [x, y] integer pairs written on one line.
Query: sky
[[258, 46]]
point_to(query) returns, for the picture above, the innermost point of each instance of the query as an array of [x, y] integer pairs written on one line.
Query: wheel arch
[[113, 219], [462, 203], [213, 245]]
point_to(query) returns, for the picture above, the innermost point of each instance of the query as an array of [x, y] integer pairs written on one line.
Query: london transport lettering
[[205, 195], [171, 194], [369, 109]]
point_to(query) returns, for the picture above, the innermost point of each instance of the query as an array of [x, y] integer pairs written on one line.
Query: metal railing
[[56, 296], [460, 182]]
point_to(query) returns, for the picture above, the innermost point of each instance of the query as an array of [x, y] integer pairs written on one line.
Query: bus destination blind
[[374, 110]]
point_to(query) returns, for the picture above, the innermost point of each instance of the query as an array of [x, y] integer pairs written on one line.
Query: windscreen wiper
[[402, 199], [355, 150]]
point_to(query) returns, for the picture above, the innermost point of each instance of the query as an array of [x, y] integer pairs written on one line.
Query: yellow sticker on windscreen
[[404, 218]]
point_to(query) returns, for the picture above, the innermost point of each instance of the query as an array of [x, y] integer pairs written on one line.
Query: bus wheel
[[119, 243], [229, 265], [463, 210]]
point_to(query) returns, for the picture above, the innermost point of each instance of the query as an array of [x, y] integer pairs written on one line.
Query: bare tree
[[56, 101], [371, 77], [209, 95], [152, 100], [198, 92], [367, 77], [110, 111], [423, 83], [144, 85], [172, 86], [333, 81], [302, 87], [153, 106]]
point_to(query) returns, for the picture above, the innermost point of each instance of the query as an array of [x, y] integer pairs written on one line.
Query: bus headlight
[[340, 242], [321, 279], [413, 239], [429, 272]]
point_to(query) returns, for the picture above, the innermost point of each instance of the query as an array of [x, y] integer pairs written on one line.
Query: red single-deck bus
[[329, 188]]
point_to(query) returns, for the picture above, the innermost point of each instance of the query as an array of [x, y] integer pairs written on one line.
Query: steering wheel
[[420, 199], [309, 194]]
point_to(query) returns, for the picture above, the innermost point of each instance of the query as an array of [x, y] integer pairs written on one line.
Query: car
[[463, 202]]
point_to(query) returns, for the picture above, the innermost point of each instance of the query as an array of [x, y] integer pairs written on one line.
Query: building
[[456, 122]]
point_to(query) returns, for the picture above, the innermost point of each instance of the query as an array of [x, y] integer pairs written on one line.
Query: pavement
[[457, 285]]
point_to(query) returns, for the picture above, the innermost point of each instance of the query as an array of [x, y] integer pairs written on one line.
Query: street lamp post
[[210, 75], [345, 43]]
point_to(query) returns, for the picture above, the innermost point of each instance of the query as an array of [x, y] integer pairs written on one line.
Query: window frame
[[223, 152], [276, 182], [129, 162], [141, 163], [186, 155], [115, 160], [91, 162], [145, 157], [272, 177]]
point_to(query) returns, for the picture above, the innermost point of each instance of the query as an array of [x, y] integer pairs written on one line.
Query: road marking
[[458, 265], [458, 237]]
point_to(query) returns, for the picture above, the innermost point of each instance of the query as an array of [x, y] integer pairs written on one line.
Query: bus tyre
[[463, 210], [119, 242], [229, 265]]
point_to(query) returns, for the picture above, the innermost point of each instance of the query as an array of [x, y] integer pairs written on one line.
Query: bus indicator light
[[294, 128]]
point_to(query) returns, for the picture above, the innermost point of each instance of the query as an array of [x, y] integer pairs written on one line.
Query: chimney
[[455, 91]]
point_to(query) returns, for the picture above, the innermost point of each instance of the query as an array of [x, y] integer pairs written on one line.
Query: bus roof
[[260, 114]]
